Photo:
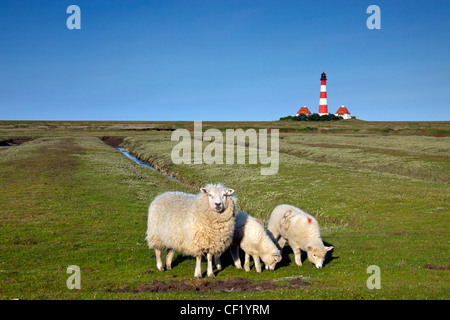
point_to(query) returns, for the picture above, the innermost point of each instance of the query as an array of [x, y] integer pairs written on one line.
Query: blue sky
[[223, 60]]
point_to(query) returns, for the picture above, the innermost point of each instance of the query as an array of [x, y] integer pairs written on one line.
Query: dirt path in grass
[[237, 284]]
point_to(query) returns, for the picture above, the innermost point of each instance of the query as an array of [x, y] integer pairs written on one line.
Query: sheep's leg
[[209, 269], [247, 262], [218, 262], [257, 263], [159, 264], [198, 267], [298, 256], [169, 258], [235, 255], [281, 242]]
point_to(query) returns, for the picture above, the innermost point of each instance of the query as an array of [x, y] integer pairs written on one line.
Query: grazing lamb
[[193, 224], [250, 235], [288, 223]]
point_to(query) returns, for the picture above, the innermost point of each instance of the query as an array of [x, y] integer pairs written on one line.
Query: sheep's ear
[[229, 192], [328, 248], [204, 190], [308, 248]]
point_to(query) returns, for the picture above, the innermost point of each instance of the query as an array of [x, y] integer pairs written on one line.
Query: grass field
[[379, 191]]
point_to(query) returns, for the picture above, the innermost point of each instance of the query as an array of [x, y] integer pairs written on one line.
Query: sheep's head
[[317, 255], [217, 196], [274, 258]]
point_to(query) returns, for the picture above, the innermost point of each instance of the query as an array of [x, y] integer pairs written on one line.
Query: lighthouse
[[323, 105]]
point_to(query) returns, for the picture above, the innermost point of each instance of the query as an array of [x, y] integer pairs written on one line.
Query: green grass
[[68, 199], [397, 215]]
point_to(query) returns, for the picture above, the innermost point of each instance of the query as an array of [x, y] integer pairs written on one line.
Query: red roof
[[342, 110], [303, 110]]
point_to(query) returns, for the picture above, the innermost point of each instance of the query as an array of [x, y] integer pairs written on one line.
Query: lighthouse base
[[322, 114]]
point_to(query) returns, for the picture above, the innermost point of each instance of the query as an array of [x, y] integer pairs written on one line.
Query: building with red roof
[[343, 112], [303, 110]]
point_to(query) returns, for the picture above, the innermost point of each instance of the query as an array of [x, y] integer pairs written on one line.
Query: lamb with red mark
[[288, 223]]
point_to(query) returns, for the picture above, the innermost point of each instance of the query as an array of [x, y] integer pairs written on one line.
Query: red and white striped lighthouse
[[323, 104]]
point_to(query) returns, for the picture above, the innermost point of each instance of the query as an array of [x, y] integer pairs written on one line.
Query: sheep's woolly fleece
[[186, 223]]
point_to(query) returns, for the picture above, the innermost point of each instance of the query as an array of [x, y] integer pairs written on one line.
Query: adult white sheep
[[193, 224], [288, 223], [250, 235]]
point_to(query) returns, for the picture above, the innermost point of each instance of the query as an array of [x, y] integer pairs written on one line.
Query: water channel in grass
[[142, 163]]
